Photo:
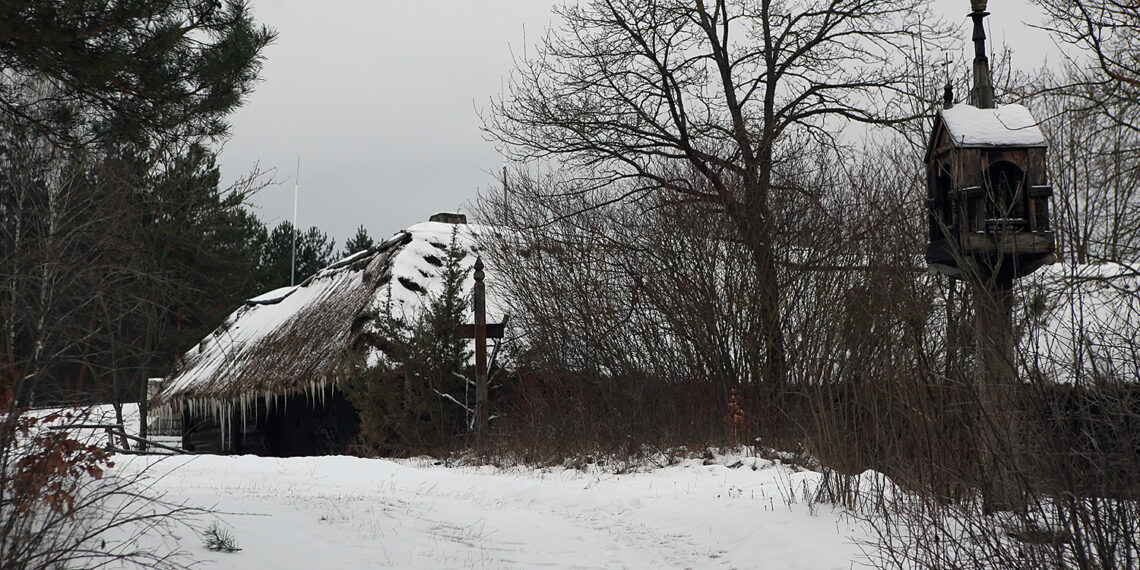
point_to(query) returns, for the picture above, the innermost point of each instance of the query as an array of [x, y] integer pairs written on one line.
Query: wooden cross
[[481, 330]]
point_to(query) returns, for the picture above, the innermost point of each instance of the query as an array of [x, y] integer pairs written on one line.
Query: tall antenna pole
[[296, 192]]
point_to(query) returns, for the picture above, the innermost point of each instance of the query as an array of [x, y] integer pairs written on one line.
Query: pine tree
[[359, 242], [204, 241], [314, 252], [415, 399], [137, 70], [101, 104]]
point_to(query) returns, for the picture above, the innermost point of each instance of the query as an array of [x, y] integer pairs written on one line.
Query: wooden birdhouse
[[987, 186], [988, 193]]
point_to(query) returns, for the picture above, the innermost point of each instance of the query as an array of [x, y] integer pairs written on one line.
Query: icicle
[[215, 410], [244, 398], [223, 410]]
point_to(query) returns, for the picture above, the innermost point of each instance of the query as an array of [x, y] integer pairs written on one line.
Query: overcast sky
[[381, 101]]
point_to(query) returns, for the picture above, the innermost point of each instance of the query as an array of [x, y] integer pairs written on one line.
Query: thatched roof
[[296, 338]]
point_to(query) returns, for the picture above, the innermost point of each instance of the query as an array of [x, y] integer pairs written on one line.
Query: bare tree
[[662, 294], [60, 266], [627, 89], [1089, 112], [1108, 31], [1092, 161], [1102, 76], [631, 311]]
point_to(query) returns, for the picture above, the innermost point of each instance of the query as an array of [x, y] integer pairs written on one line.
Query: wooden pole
[[993, 314], [480, 293]]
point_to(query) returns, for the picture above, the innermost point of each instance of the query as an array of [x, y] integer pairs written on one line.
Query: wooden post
[[993, 317], [481, 412], [481, 330], [993, 311]]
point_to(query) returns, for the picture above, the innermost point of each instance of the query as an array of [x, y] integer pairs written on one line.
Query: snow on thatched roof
[[1007, 125], [295, 338]]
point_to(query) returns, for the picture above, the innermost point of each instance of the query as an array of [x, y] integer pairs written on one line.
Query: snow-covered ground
[[345, 512]]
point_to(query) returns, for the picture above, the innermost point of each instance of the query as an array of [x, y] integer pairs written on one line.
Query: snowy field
[[344, 512]]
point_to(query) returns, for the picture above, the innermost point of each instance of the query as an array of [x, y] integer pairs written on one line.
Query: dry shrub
[[62, 506], [635, 331], [547, 418]]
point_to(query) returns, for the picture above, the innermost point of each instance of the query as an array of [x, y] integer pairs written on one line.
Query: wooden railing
[[147, 447]]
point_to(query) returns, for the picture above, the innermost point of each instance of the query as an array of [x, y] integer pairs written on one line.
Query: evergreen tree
[[114, 261], [359, 242], [99, 104], [314, 252], [138, 70], [416, 399], [204, 242]]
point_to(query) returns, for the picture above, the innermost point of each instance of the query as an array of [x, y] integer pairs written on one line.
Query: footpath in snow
[[345, 512]]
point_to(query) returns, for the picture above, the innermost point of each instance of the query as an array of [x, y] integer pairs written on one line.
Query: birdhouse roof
[[1007, 125]]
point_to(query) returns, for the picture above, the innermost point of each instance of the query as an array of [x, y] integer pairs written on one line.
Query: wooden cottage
[[265, 382]]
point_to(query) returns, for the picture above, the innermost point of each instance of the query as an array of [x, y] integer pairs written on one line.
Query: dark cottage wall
[[292, 426], [327, 429]]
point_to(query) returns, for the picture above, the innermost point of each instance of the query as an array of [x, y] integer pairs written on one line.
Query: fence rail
[[113, 431]]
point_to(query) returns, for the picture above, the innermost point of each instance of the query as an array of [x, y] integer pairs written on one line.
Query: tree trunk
[[758, 234], [775, 360]]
